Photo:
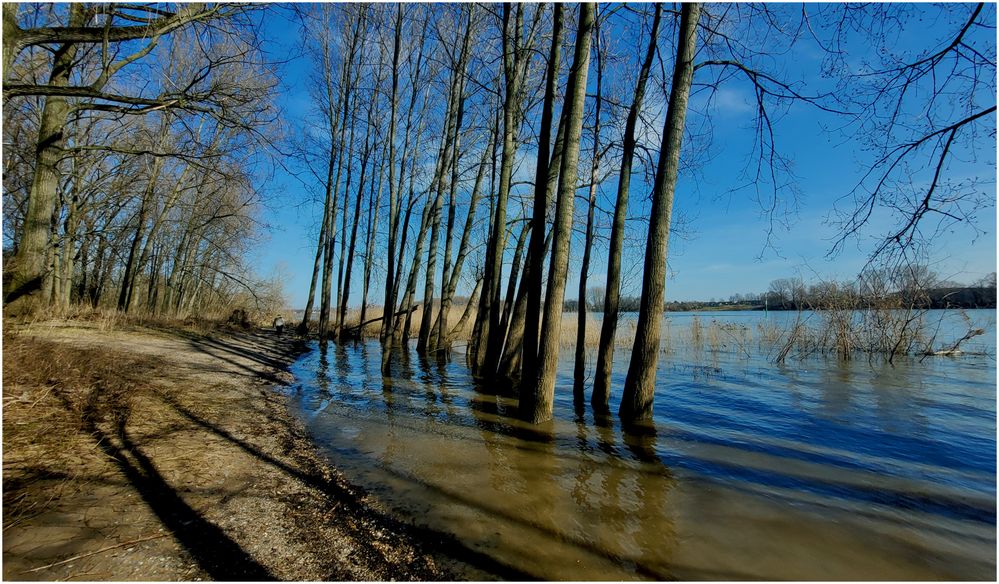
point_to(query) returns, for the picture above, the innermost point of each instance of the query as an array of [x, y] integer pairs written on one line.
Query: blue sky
[[722, 248]]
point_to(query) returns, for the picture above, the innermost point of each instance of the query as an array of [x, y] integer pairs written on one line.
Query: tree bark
[[535, 255], [388, 324], [639, 386], [536, 403], [489, 304], [579, 368], [605, 350], [30, 279]]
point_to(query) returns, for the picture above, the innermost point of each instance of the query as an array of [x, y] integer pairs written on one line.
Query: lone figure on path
[[279, 325]]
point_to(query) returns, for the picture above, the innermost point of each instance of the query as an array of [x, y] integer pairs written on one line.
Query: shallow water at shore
[[819, 469]]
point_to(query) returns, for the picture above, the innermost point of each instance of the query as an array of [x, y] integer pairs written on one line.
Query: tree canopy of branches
[[139, 122]]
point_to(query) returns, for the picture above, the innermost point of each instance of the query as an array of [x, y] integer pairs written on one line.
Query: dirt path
[[166, 455]]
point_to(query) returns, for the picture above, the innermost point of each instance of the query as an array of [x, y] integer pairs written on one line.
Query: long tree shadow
[[237, 348], [213, 550], [352, 503]]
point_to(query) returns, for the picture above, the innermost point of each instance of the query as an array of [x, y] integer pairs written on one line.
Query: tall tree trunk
[[365, 157], [579, 369], [157, 223], [639, 386], [30, 278], [489, 304], [338, 125], [438, 332], [511, 288], [414, 272], [511, 362], [388, 323], [477, 344], [345, 261], [445, 153], [536, 402], [131, 264], [374, 205], [605, 350], [535, 256]]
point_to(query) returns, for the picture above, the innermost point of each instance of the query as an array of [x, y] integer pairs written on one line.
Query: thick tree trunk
[[536, 402], [30, 280], [639, 386], [605, 350]]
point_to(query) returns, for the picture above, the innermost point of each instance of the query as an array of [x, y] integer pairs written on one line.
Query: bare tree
[[639, 387], [537, 395], [608, 328]]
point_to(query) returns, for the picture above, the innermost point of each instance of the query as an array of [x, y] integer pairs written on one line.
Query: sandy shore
[[147, 454]]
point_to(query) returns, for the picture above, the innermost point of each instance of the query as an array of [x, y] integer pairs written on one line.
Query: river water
[[816, 469]]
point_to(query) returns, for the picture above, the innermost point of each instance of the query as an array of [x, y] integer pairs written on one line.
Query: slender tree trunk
[[447, 148], [477, 344], [365, 156], [489, 305], [605, 350], [579, 369], [415, 271], [70, 227], [515, 267], [639, 386], [374, 204], [452, 284], [341, 308], [131, 267], [536, 402], [303, 327], [338, 125], [157, 224], [466, 314], [438, 333], [535, 256], [388, 323]]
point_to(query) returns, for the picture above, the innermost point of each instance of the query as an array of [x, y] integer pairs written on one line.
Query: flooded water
[[817, 469]]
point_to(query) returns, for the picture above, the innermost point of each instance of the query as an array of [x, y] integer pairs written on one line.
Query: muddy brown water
[[815, 470]]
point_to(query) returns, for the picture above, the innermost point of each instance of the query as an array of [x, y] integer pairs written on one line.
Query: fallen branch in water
[[955, 349]]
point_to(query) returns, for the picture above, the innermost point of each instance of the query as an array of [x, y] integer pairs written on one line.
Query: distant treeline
[[915, 287], [964, 297]]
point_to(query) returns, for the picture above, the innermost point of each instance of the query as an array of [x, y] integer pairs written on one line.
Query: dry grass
[[109, 320], [59, 393]]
